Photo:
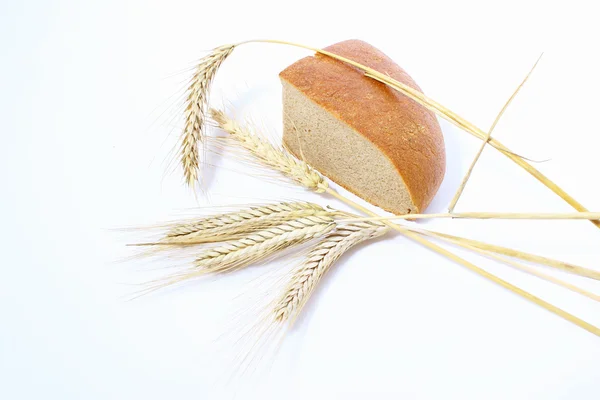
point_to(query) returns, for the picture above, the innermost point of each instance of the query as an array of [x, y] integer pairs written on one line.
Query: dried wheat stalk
[[493, 215], [488, 137], [306, 278], [541, 275], [533, 258], [195, 111], [482, 249]]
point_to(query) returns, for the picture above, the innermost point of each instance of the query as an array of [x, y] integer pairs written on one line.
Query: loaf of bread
[[363, 135]]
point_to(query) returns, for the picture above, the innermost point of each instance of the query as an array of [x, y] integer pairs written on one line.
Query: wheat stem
[[534, 272], [467, 176], [516, 265], [490, 215], [545, 261], [484, 249]]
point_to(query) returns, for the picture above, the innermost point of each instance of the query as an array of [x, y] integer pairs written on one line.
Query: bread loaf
[[363, 135]]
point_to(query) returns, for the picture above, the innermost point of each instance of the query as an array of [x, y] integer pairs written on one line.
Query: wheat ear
[[270, 155], [287, 305], [231, 226], [195, 110], [261, 244], [306, 278]]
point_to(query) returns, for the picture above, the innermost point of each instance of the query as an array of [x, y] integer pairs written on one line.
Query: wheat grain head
[[195, 110], [269, 155], [306, 278], [231, 226], [263, 337]]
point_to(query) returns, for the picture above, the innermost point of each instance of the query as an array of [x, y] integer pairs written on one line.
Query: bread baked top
[[405, 132]]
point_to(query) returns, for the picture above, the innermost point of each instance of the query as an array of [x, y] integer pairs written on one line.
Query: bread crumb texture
[[363, 135]]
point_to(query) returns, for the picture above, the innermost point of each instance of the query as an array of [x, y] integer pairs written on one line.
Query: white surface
[[83, 86]]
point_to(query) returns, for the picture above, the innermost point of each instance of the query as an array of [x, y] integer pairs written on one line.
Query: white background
[[88, 124]]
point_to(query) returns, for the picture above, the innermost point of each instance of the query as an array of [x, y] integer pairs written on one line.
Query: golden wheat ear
[[235, 225], [293, 290], [196, 106], [266, 154], [320, 259]]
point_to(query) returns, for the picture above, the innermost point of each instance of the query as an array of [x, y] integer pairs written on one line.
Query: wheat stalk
[[487, 138], [195, 110], [269, 155], [319, 260], [504, 257], [534, 258], [491, 215], [541, 275], [230, 226]]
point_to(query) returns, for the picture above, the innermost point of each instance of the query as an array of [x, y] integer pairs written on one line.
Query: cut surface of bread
[[364, 136], [354, 162]]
